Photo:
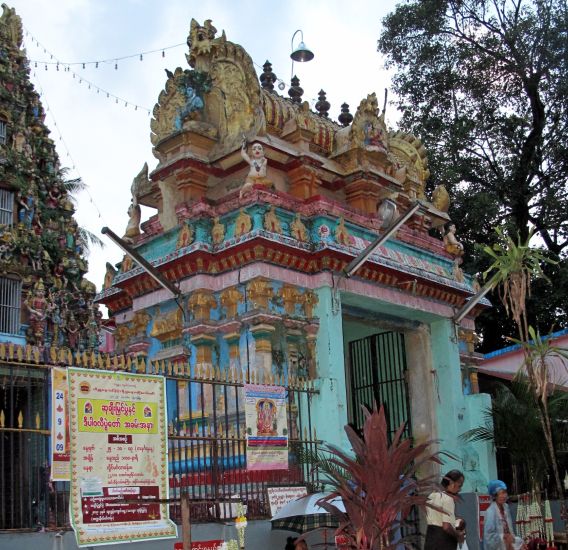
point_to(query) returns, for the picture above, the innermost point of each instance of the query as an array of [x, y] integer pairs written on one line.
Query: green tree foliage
[[484, 84]]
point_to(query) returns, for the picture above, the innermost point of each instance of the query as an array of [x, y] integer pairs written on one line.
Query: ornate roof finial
[[322, 106], [345, 118], [267, 78], [295, 92]]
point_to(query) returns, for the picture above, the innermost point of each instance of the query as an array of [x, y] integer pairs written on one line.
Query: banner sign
[[119, 463], [267, 427], [278, 497], [60, 459]]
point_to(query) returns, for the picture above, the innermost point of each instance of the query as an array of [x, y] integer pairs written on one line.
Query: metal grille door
[[378, 373]]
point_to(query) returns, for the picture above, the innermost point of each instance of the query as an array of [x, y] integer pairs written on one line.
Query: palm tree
[[515, 265], [74, 186]]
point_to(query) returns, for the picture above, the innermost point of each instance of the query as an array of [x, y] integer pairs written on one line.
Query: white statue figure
[[257, 172]]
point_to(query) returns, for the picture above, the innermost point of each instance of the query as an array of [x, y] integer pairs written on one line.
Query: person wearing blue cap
[[442, 533], [498, 531]]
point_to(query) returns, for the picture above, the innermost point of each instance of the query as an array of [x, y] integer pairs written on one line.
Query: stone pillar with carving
[[230, 298], [200, 304], [259, 293], [262, 334], [291, 297], [232, 335]]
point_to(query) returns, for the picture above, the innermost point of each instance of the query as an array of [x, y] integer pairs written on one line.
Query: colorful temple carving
[[46, 301], [261, 203]]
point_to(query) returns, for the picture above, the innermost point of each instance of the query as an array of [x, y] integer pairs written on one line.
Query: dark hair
[[452, 475], [290, 543], [447, 226]]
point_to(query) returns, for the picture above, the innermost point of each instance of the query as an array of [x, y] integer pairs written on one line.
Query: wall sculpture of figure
[[37, 307], [217, 231], [258, 165], [133, 226], [298, 229], [455, 248]]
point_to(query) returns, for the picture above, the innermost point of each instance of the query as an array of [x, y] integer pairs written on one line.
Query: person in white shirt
[[442, 533]]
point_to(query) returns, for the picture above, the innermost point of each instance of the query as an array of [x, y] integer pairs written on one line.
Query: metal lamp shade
[[302, 53], [387, 212]]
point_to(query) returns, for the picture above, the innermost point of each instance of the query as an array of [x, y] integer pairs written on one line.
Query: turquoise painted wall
[[329, 407], [455, 412]]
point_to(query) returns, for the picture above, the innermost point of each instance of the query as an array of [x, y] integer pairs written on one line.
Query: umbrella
[[303, 515]]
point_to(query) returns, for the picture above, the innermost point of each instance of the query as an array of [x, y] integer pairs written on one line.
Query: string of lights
[[66, 67], [54, 61], [73, 165]]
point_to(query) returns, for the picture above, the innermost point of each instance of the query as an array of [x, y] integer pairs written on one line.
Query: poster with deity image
[[119, 463], [267, 427]]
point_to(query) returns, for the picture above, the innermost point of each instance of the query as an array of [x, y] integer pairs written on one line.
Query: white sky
[[108, 143]]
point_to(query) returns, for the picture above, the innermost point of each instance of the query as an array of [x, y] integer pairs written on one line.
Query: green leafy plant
[[378, 485], [514, 267]]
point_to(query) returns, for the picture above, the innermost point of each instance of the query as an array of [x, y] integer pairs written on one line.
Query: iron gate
[[378, 373]]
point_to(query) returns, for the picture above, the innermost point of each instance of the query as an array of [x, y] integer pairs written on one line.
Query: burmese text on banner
[[267, 427], [119, 467]]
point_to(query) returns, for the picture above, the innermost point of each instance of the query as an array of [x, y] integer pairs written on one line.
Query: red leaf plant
[[378, 485]]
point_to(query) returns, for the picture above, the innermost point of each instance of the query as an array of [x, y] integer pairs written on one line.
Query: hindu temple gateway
[[260, 205]]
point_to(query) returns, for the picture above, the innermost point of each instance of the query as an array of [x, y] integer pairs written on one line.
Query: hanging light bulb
[[57, 66], [163, 53], [97, 65], [141, 57], [35, 64], [116, 66], [83, 65], [46, 67]]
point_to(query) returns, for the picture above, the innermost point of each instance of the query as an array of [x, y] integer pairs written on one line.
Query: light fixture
[[302, 53], [390, 230], [387, 212]]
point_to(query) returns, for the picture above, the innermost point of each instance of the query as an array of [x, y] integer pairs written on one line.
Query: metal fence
[[207, 459]]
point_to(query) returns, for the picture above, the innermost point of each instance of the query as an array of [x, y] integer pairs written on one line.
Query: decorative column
[[230, 298], [262, 334], [259, 292], [363, 194], [304, 181], [232, 337], [291, 297], [139, 342], [192, 184], [200, 304]]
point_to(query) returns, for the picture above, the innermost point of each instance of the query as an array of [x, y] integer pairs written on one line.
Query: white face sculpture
[[257, 151]]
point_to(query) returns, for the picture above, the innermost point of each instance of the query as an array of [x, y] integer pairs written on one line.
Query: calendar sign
[[60, 465]]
